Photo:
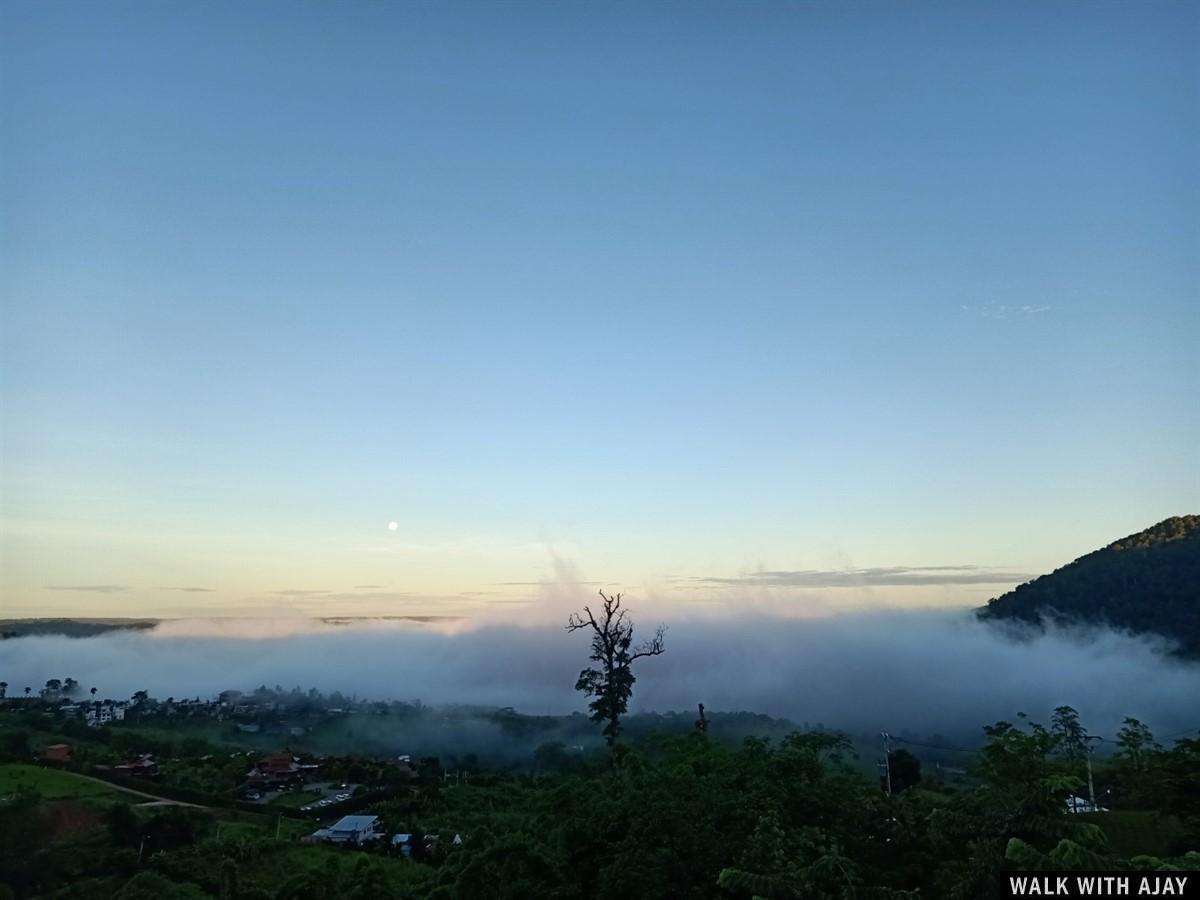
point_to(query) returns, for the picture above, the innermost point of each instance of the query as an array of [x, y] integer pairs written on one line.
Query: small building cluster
[[356, 830], [97, 712]]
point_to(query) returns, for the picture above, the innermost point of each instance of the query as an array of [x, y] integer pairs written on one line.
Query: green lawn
[[287, 829], [295, 799], [235, 823], [52, 784]]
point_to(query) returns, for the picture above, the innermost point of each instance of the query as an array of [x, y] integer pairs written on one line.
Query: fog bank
[[923, 672]]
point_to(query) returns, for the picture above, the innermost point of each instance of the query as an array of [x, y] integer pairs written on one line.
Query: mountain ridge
[[1147, 583]]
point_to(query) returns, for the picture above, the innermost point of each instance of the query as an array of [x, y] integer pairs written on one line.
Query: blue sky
[[662, 292]]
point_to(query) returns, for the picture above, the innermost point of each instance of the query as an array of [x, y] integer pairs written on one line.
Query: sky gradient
[[893, 298]]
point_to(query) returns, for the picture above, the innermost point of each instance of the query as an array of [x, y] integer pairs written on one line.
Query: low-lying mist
[[906, 672]]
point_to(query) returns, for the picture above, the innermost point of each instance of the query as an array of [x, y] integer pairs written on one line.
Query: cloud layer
[[886, 576], [88, 588], [919, 672]]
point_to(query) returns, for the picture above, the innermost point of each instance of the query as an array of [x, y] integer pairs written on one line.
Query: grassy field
[[295, 799], [238, 824], [53, 784]]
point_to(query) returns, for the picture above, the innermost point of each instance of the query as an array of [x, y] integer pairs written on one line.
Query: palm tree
[[3, 689], [27, 690], [93, 693]]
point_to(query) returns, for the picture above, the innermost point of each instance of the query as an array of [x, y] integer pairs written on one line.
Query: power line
[[1193, 730], [976, 750], [934, 746]]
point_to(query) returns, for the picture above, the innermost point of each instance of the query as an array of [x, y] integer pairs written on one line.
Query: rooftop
[[354, 823]]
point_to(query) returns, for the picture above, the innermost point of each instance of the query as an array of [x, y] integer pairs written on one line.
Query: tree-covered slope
[[1147, 582]]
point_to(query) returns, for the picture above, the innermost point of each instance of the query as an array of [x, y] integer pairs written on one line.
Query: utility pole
[[1091, 785], [887, 760]]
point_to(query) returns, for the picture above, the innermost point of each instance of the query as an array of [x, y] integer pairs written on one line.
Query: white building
[[103, 713]]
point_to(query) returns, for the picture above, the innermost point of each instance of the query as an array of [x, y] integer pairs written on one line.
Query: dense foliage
[[677, 816], [1147, 582]]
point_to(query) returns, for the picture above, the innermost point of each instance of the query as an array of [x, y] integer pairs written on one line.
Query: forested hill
[[1147, 582]]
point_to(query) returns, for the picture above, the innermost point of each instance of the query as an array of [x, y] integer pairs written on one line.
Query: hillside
[[1147, 582]]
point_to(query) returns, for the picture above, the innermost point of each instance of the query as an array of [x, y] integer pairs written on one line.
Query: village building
[[279, 770], [98, 712], [348, 830]]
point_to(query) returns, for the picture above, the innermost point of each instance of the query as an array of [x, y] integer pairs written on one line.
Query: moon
[[392, 526]]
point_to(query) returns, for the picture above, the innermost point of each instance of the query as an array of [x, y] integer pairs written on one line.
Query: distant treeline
[[75, 628]]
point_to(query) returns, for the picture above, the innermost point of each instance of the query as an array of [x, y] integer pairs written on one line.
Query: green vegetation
[[1148, 583], [237, 825], [294, 799], [1138, 833], [51, 784], [670, 816]]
